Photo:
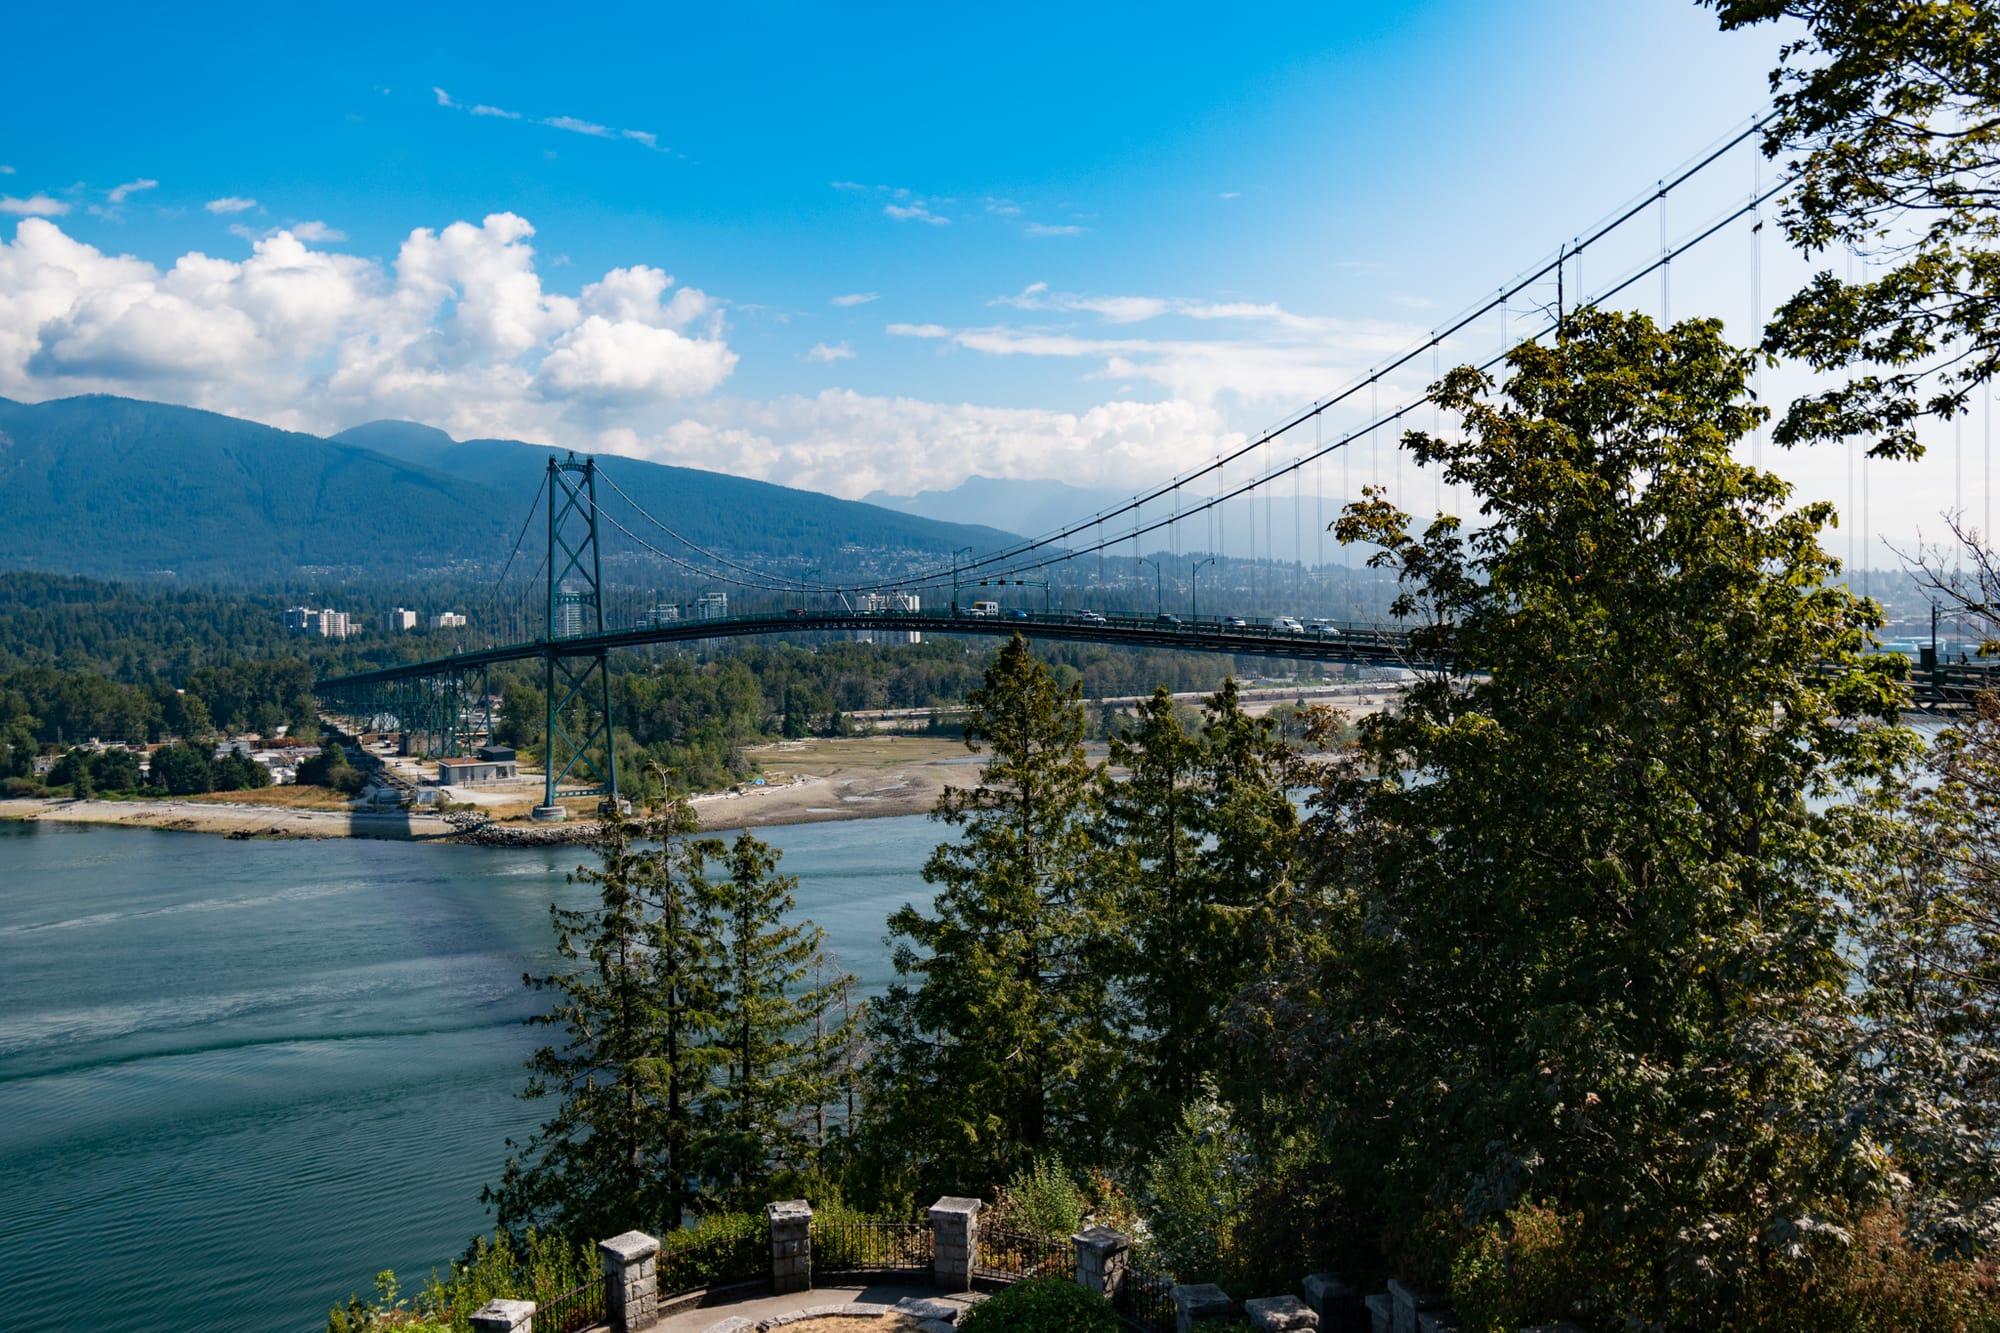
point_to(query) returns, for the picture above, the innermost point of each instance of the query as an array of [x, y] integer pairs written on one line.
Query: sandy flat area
[[805, 781], [864, 777], [236, 821]]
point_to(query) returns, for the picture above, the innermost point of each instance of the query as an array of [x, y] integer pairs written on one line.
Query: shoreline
[[807, 782], [836, 791]]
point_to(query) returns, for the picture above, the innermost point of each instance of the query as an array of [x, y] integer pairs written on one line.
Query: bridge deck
[[1948, 688], [1360, 643]]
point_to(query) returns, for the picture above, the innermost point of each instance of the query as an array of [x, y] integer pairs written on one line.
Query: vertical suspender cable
[[1666, 265], [1757, 300], [1375, 476], [1867, 528], [1437, 474]]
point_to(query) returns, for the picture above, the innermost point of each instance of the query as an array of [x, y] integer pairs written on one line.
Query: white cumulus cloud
[[118, 194], [914, 213], [826, 355], [317, 232], [230, 203], [34, 206], [856, 298], [457, 330]]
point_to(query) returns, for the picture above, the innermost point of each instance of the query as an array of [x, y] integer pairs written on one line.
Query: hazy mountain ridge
[[1031, 508], [120, 487]]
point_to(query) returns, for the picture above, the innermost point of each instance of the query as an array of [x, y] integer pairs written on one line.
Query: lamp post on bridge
[[1159, 584], [963, 550], [1194, 610]]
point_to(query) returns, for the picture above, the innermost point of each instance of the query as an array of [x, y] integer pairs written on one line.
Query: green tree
[[183, 768], [1199, 836], [637, 1053], [1570, 935], [1002, 998], [1890, 115], [73, 771], [115, 769], [779, 1026], [329, 768], [18, 750], [1925, 924], [239, 772]]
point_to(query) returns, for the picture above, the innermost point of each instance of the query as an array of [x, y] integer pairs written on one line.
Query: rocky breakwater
[[479, 831]]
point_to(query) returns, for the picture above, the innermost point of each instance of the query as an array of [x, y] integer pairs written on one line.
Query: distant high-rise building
[[447, 620], [888, 603], [402, 618], [569, 614], [301, 620], [711, 606]]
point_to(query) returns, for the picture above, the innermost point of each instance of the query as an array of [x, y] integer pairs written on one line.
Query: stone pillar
[[954, 1242], [1101, 1253], [1336, 1301], [1407, 1302], [1280, 1314], [791, 1245], [631, 1281], [498, 1316], [1200, 1303]]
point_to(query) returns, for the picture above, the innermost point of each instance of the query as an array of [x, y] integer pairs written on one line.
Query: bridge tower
[[582, 758]]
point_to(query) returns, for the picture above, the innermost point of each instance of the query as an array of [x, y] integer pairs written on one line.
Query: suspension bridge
[[564, 625]]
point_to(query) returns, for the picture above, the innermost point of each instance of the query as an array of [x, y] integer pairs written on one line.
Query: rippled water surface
[[237, 1078]]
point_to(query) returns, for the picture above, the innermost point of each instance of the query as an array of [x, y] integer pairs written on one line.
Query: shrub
[[1041, 1200], [534, 1267], [718, 1248], [1539, 1264], [1195, 1189], [1041, 1305], [1529, 1268]]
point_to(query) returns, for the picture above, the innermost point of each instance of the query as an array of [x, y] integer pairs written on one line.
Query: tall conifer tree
[[782, 1040], [637, 1054], [994, 1044]]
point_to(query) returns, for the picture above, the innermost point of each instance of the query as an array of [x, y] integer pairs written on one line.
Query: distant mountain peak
[[395, 434]]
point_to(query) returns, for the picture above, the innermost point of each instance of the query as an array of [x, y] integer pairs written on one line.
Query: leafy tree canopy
[[1889, 114], [1572, 918]]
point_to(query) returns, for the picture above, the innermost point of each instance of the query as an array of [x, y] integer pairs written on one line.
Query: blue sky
[[906, 243]]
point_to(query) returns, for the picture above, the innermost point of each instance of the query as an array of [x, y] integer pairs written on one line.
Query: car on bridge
[[1324, 629], [986, 608], [1091, 618], [1166, 621], [1287, 625]]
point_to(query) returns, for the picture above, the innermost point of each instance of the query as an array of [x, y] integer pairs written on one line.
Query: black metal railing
[[1145, 1299], [694, 1259], [577, 1308], [1010, 1255], [862, 1246]]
